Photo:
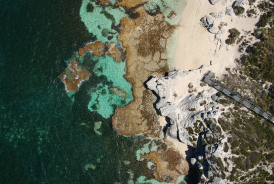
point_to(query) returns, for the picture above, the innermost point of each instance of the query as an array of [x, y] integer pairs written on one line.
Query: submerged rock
[[171, 15], [97, 126], [126, 162], [118, 91], [90, 166]]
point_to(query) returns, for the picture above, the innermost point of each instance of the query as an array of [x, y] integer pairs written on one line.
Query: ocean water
[[47, 135]]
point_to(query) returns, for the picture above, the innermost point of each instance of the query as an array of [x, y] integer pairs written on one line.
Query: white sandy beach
[[194, 47]]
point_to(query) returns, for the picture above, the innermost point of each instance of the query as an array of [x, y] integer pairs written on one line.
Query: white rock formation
[[213, 30], [183, 110], [210, 19], [214, 1], [238, 3]]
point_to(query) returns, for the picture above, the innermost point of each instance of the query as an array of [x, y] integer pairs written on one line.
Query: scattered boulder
[[229, 11], [223, 31], [213, 30], [214, 1], [217, 15], [210, 19], [203, 22], [238, 3]]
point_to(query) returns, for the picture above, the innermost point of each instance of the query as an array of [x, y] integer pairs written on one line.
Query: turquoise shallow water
[[102, 98], [102, 21]]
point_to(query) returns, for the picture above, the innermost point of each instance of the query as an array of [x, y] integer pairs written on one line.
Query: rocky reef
[[145, 39], [73, 76]]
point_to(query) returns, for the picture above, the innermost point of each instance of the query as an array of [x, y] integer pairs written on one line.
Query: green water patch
[[166, 7], [102, 21], [111, 89], [106, 97]]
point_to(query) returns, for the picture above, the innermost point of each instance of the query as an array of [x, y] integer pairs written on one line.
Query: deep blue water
[[41, 136]]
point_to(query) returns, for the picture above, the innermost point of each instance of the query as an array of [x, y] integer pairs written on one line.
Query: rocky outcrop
[[208, 22], [229, 11], [112, 51], [214, 1], [238, 3], [210, 19], [199, 112], [179, 109], [213, 30], [170, 164], [105, 2], [145, 41], [73, 76], [98, 49], [130, 3], [97, 126]]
